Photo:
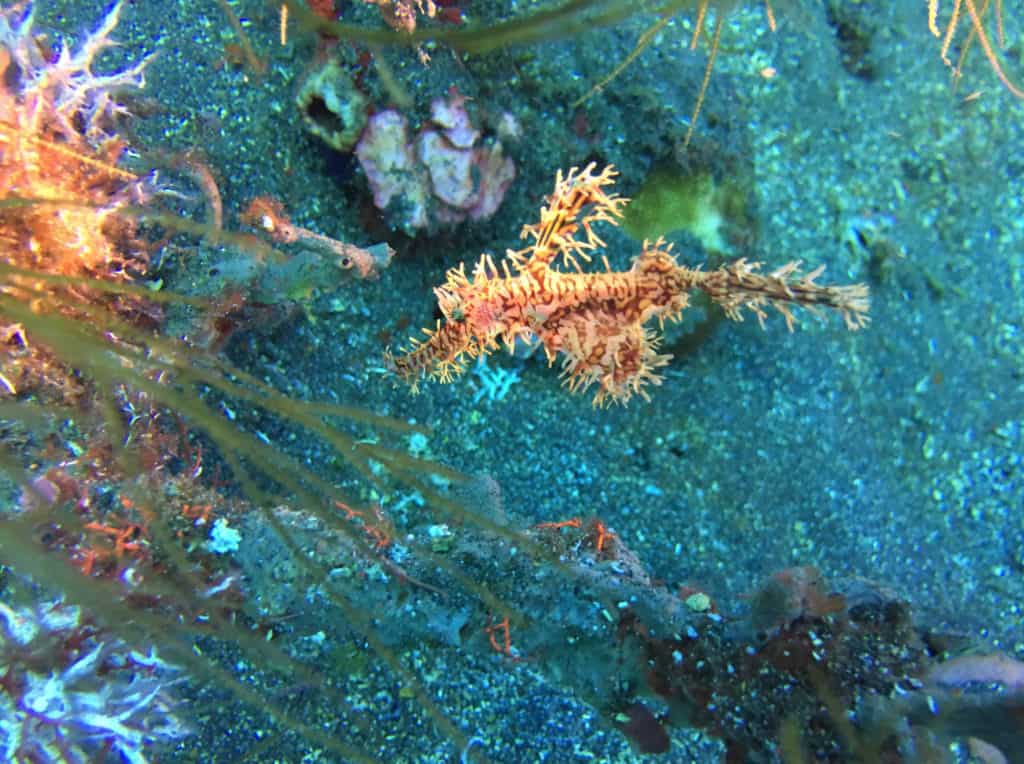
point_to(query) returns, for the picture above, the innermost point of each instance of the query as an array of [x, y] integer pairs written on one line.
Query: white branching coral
[[58, 143], [65, 195], [65, 91], [70, 693]]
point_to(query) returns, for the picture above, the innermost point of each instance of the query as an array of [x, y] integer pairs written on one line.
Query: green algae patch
[[673, 200]]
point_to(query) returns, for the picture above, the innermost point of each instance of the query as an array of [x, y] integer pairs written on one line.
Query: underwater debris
[[332, 107], [401, 15], [698, 202]]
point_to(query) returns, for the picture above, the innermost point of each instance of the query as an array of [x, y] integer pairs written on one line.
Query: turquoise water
[[786, 534]]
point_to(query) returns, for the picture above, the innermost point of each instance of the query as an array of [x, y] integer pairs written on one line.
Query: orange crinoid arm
[[596, 323]]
